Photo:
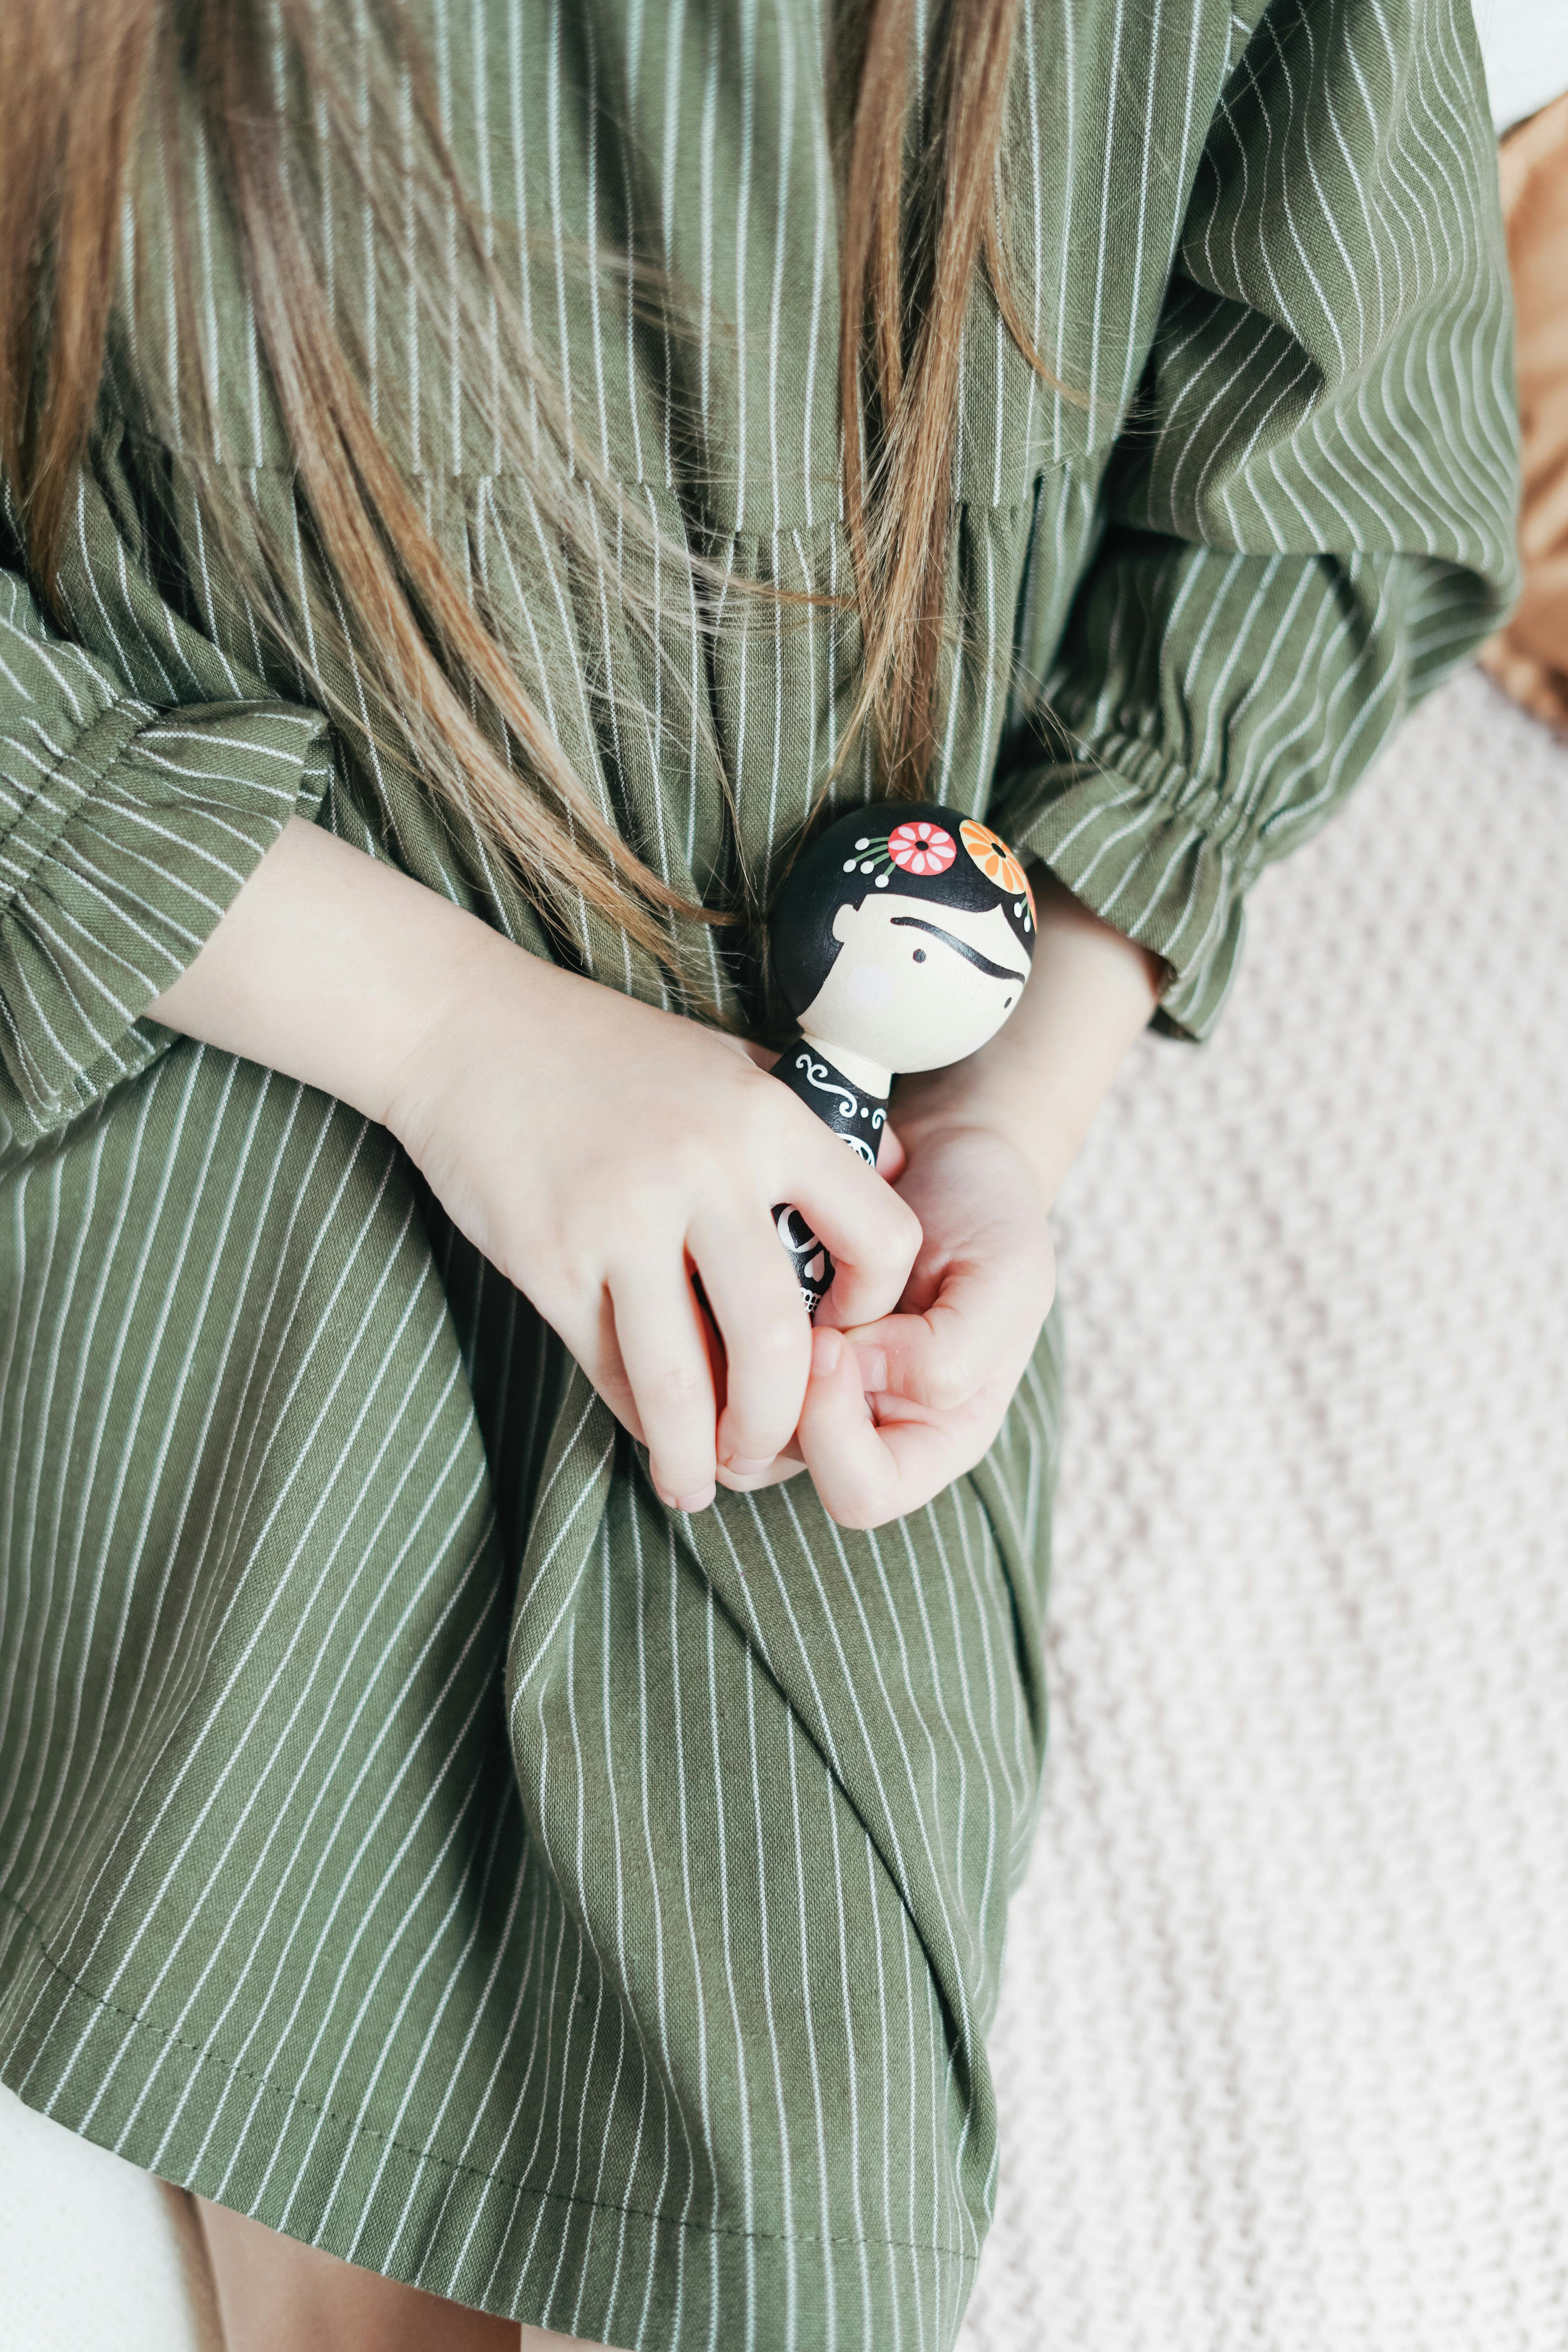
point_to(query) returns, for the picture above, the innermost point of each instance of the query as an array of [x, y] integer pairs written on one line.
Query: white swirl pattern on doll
[[829, 1081]]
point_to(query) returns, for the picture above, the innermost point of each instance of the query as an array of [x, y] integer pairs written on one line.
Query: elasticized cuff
[[1154, 853], [118, 870]]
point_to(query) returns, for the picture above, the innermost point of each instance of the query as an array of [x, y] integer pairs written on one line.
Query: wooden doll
[[902, 941]]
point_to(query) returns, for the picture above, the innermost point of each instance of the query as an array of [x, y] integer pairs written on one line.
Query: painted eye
[[920, 955], [1006, 1004]]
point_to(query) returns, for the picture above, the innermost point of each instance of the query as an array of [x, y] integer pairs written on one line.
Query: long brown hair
[[921, 213]]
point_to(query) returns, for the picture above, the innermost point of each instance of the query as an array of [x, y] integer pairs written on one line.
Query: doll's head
[[904, 934]]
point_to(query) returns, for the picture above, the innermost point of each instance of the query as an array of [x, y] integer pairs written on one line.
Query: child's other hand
[[954, 1351], [989, 1141], [599, 1152]]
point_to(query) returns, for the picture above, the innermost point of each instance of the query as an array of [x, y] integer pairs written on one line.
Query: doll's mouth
[[959, 947]]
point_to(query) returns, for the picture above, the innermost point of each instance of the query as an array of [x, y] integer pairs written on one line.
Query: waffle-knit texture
[[1283, 2046]]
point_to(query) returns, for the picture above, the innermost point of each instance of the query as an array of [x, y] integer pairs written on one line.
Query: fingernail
[[826, 1353], [697, 1502], [873, 1362], [745, 1466]]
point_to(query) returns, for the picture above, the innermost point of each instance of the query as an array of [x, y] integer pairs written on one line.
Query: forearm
[[598, 1151], [1043, 1077], [335, 968]]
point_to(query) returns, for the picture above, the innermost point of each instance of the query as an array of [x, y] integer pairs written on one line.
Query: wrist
[[1039, 1082], [972, 1098], [449, 988], [481, 1000]]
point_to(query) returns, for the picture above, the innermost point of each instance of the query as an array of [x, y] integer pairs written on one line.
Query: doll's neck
[[869, 1077]]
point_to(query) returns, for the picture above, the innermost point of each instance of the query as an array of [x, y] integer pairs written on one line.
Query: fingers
[[981, 1326], [752, 1291], [941, 1357], [788, 1464], [866, 1474], [655, 1352], [658, 1330], [873, 1234], [892, 1159]]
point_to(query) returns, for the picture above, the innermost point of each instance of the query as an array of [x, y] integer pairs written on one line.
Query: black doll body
[[902, 940], [851, 1112]]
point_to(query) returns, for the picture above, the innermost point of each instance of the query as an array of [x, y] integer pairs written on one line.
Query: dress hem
[[455, 2229]]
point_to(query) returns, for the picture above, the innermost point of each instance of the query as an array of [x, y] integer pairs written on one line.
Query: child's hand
[[980, 1288], [599, 1152], [988, 1142], [596, 1151]]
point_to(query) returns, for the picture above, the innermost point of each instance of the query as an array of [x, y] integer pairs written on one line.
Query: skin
[[277, 2295], [493, 1068]]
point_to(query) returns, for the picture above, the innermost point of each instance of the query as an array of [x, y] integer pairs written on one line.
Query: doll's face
[[916, 985]]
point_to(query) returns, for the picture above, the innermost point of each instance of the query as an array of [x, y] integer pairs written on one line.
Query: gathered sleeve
[[1309, 518], [142, 776]]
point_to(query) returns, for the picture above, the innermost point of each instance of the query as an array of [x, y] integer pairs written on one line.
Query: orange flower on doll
[[996, 861]]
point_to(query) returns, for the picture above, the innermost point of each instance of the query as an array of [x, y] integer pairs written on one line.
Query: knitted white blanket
[[1283, 2052]]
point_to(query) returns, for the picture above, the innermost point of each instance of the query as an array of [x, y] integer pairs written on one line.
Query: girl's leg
[[276, 2295]]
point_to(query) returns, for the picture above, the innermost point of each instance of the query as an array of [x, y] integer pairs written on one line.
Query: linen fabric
[[410, 1833]]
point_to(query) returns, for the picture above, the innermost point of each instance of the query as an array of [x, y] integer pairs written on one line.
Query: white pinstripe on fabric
[[408, 1832]]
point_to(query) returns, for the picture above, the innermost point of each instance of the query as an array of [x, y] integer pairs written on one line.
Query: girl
[[509, 1790]]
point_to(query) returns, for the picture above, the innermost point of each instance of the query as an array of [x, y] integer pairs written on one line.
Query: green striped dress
[[410, 1833]]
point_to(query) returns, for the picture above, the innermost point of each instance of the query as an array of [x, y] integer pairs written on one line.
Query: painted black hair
[[911, 848]]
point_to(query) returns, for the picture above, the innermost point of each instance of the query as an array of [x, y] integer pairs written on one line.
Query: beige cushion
[[1531, 656]]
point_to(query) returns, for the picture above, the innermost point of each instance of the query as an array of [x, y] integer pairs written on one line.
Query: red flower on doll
[[921, 847]]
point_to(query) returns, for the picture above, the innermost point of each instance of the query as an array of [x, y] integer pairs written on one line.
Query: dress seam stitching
[[209, 2057]]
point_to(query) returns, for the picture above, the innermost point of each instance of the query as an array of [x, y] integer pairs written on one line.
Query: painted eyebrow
[[959, 947]]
